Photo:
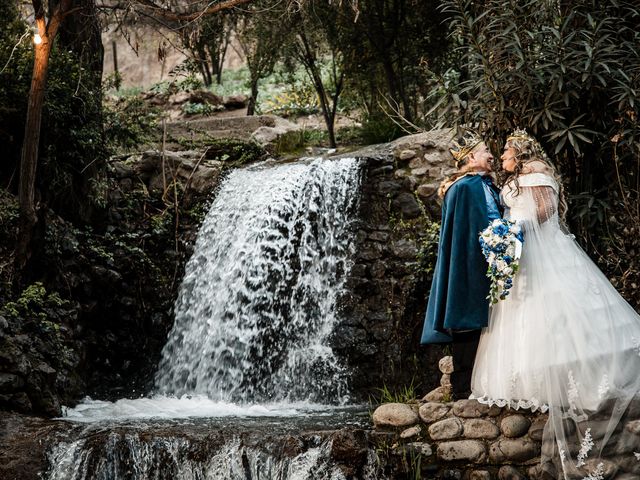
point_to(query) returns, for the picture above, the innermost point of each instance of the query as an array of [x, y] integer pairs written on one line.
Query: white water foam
[[187, 406]]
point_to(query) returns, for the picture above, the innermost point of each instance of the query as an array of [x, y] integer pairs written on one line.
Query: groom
[[458, 307]]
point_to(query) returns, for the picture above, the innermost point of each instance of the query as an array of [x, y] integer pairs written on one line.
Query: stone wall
[[462, 439], [395, 253]]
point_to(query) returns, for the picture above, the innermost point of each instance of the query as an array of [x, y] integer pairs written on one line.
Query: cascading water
[[252, 339], [257, 305]]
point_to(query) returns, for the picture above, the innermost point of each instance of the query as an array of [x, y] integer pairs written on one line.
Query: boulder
[[513, 450], [446, 365], [507, 472], [462, 450], [474, 409], [446, 429], [479, 428], [433, 411], [395, 415], [515, 426]]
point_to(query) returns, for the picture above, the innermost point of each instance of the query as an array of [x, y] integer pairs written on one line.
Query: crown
[[521, 134], [464, 144]]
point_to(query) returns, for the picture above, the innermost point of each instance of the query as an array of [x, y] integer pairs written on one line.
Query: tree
[[43, 42], [261, 35]]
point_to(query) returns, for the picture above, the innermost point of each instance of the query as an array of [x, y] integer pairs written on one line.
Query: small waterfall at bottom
[[250, 351]]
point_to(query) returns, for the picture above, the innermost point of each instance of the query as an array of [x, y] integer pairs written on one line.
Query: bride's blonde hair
[[528, 150]]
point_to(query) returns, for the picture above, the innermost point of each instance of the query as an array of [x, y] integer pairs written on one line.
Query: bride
[[564, 340]]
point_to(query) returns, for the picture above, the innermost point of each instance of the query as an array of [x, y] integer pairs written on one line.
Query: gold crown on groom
[[464, 144]]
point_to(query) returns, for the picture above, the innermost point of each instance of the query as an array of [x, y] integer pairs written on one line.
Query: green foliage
[[570, 74], [193, 108], [298, 99], [406, 394], [428, 248], [380, 128], [129, 122], [34, 301]]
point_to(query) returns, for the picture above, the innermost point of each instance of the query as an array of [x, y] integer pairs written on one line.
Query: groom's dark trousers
[[463, 351]]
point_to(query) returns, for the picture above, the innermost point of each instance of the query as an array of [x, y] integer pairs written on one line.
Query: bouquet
[[501, 244]]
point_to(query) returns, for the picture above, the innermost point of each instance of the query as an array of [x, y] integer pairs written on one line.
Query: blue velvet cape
[[458, 298]]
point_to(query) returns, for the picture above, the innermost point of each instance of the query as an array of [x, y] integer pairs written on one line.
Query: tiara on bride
[[521, 134]]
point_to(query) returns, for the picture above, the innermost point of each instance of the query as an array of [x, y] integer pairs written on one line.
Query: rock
[[439, 394], [349, 446], [401, 173], [537, 428], [474, 409], [373, 251], [395, 415], [410, 432], [466, 450], [406, 154], [446, 429], [269, 137], [378, 269], [445, 380], [179, 98], [433, 411], [405, 249], [10, 382], [427, 190], [389, 187], [446, 365], [479, 475], [538, 473], [379, 236], [478, 428], [418, 172], [407, 205], [418, 163], [514, 426], [235, 101], [516, 450], [507, 472], [421, 448]]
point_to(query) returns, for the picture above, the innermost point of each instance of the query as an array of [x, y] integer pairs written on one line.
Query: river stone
[[479, 475], [466, 450], [406, 154], [446, 429], [410, 432], [394, 415], [479, 428], [518, 450], [507, 472], [446, 365], [537, 428], [433, 411], [474, 409], [514, 426], [439, 394], [538, 473], [445, 380]]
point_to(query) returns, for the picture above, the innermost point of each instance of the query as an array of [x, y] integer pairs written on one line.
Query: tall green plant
[[569, 72]]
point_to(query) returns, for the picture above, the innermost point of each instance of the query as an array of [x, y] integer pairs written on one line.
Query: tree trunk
[[253, 100], [30, 146]]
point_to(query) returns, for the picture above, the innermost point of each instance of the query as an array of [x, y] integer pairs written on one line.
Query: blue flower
[[508, 259], [501, 229]]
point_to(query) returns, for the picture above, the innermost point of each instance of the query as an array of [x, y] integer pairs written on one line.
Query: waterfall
[[132, 456], [257, 307]]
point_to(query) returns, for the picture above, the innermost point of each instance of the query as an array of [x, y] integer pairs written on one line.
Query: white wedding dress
[[563, 341]]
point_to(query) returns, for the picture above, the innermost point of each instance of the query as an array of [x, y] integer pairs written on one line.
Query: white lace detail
[[534, 404], [585, 448], [604, 387], [637, 455], [572, 392], [597, 474]]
